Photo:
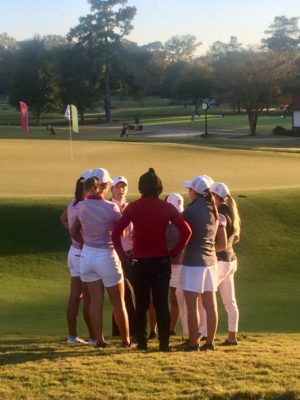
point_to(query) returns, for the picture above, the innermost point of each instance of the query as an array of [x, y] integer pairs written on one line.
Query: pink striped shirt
[[72, 213], [98, 217]]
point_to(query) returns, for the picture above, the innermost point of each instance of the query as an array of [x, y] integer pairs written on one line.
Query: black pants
[[152, 275]]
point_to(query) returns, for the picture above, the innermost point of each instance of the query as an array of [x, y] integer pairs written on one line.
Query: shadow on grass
[[14, 352], [288, 395], [31, 227]]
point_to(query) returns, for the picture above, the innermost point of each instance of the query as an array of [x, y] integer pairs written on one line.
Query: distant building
[[295, 107]]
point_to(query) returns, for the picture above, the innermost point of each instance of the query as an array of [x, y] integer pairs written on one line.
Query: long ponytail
[[210, 199], [236, 220], [79, 190]]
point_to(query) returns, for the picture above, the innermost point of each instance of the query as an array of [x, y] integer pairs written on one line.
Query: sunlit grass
[[262, 367]]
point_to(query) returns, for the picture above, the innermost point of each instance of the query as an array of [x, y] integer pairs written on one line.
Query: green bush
[[279, 130]]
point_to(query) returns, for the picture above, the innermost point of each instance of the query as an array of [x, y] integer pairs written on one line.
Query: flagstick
[[71, 142]]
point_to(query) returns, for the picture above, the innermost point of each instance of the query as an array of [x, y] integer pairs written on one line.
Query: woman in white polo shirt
[[119, 189], [99, 261], [172, 236]]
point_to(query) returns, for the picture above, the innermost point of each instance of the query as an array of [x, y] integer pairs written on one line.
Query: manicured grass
[[44, 168], [263, 367], [165, 116], [35, 277], [35, 361]]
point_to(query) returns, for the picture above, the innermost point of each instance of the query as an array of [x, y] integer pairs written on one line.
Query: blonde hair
[[236, 220]]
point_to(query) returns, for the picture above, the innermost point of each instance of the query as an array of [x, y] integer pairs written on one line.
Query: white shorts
[[101, 264], [175, 275], [226, 268], [74, 261], [200, 279]]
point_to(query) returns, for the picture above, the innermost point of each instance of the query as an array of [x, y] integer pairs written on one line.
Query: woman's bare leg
[[210, 305], [96, 292], [73, 304], [116, 295], [191, 299]]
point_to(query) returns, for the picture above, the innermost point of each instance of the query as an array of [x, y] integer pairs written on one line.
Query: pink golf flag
[[24, 116]]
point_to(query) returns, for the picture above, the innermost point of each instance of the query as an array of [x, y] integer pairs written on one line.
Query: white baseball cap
[[177, 201], [102, 174], [207, 179], [199, 184], [118, 179], [220, 189], [86, 174]]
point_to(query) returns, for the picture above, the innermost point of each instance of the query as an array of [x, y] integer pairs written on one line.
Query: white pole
[[71, 141]]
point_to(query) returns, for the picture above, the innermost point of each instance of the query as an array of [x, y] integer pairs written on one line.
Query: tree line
[[95, 60]]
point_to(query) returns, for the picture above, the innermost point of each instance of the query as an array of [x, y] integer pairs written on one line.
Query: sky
[[156, 20]]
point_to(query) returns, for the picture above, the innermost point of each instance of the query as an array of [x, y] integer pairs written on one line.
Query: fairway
[[38, 179], [32, 168]]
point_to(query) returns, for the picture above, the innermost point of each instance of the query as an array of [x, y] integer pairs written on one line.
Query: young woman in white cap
[[119, 189], [99, 262], [151, 267], [78, 289], [200, 269], [227, 261], [172, 236]]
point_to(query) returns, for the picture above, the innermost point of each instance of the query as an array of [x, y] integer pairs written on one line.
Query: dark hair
[[150, 184], [79, 190]]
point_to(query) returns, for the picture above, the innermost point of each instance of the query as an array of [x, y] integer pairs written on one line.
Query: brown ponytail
[[236, 221], [79, 191], [210, 199]]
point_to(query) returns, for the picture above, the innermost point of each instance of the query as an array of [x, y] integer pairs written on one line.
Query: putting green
[[31, 168]]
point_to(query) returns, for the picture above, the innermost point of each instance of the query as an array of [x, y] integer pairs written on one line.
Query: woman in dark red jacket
[[151, 267]]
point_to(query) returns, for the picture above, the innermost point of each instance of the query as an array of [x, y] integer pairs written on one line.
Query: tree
[[172, 75], [54, 41], [218, 49], [253, 79], [194, 82], [79, 77], [142, 69], [35, 78], [188, 81], [284, 35], [103, 30], [8, 48], [181, 48]]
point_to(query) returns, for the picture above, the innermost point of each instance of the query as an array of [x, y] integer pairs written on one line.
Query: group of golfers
[[148, 251]]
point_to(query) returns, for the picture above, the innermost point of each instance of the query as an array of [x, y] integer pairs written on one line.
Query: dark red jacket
[[150, 217]]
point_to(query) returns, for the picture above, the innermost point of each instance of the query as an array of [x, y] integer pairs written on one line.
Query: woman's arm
[[221, 235], [185, 233], [221, 239], [64, 219], [236, 239], [75, 231], [117, 234]]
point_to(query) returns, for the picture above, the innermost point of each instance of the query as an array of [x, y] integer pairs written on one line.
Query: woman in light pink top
[[78, 289], [99, 262]]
